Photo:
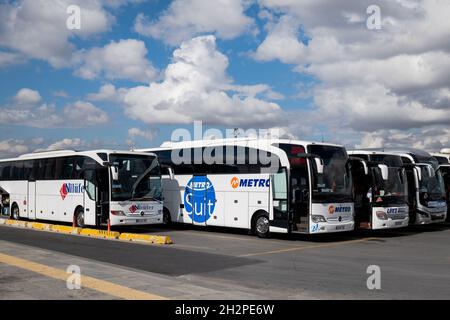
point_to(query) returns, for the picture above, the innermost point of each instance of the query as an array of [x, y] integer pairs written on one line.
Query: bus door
[[31, 200], [90, 196], [278, 200], [200, 201], [362, 190]]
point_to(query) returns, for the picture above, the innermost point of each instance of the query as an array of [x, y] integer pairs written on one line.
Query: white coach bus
[[443, 157], [381, 190], [87, 188], [426, 189], [258, 184]]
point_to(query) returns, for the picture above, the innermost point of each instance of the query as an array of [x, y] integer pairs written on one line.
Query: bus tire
[[167, 219], [260, 225], [78, 217], [15, 212]]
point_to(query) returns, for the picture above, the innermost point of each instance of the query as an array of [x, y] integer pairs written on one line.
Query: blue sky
[[308, 69]]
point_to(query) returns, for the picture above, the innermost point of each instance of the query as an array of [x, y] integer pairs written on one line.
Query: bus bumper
[[135, 220], [390, 223], [438, 217], [325, 227]]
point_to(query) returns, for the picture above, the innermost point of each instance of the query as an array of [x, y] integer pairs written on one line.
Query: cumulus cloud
[[66, 143], [185, 19], [148, 134], [196, 87], [108, 92], [282, 42], [37, 28], [10, 58], [367, 80], [27, 96], [124, 59], [431, 139], [12, 147], [27, 110]]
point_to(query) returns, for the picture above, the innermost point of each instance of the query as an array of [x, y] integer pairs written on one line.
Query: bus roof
[[369, 152], [401, 150], [66, 153], [236, 141]]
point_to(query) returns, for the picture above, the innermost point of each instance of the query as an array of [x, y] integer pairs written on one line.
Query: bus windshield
[[393, 191], [138, 178], [431, 185], [335, 184]]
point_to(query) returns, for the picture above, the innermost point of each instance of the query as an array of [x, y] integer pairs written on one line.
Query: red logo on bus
[[133, 208], [63, 191]]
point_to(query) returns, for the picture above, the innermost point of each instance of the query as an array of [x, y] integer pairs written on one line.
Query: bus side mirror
[[115, 173], [384, 171], [319, 165], [168, 170], [430, 171], [171, 173], [366, 168], [419, 174]]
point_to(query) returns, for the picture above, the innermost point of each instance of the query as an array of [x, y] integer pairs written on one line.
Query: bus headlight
[[117, 212], [318, 218], [382, 215]]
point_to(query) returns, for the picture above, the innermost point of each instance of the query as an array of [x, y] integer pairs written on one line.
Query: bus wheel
[[15, 213], [79, 217], [166, 217], [261, 225]]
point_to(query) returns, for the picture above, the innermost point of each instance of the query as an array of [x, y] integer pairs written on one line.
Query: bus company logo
[[341, 209], [236, 182], [68, 188], [141, 207], [199, 199]]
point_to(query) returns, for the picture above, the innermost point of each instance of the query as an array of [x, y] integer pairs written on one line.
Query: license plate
[[398, 223], [340, 227]]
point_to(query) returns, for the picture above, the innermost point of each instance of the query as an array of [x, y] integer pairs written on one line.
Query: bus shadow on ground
[[326, 237]]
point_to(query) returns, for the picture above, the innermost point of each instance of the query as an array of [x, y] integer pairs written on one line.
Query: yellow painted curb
[[146, 238], [39, 226], [65, 229], [100, 233], [17, 223]]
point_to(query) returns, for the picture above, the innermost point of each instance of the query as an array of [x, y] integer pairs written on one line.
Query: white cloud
[[187, 18], [64, 144], [84, 114], [195, 87], [27, 96], [12, 147], [37, 28], [108, 92], [148, 134], [10, 58], [282, 42], [391, 79], [27, 110], [431, 139], [125, 59]]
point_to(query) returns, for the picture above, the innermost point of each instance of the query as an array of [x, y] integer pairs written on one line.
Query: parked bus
[[445, 171], [426, 190], [87, 188], [443, 157], [381, 190], [306, 187]]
